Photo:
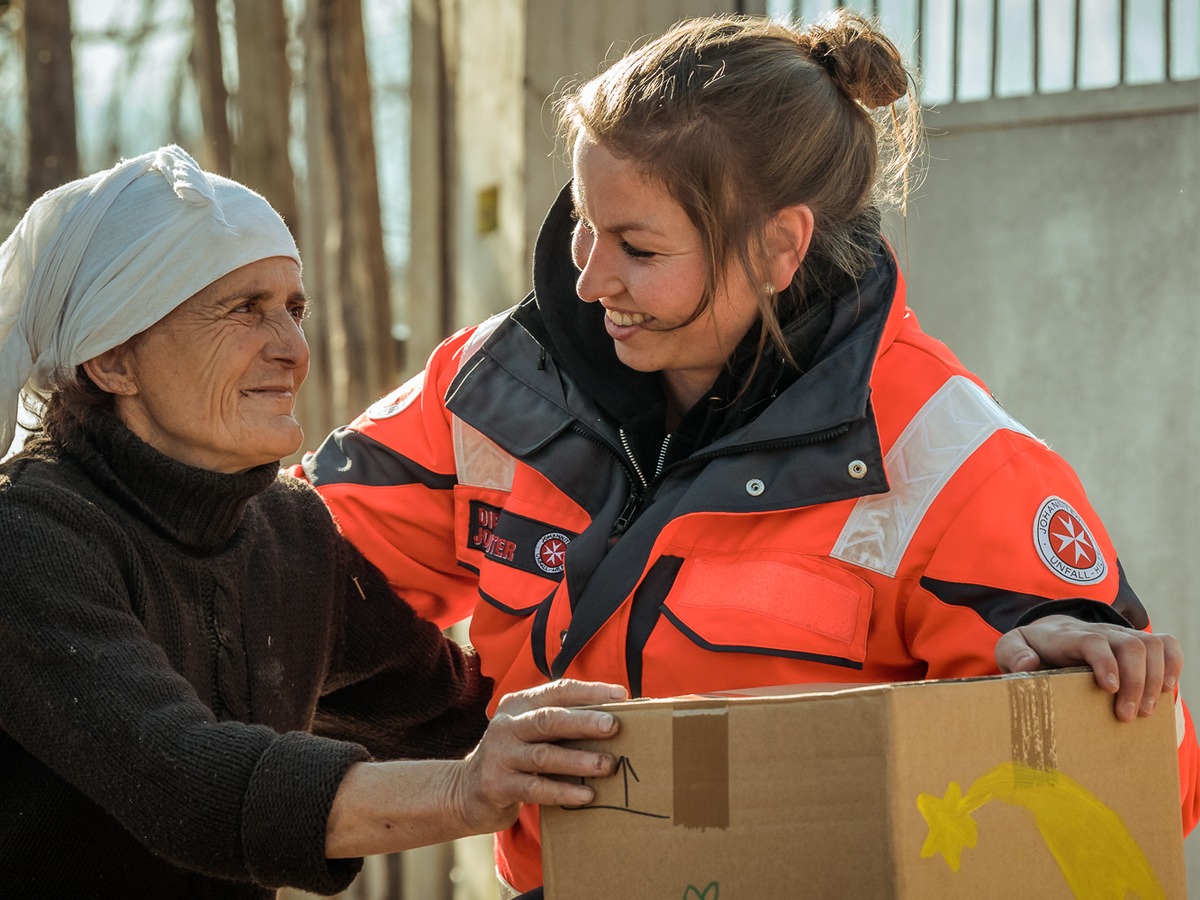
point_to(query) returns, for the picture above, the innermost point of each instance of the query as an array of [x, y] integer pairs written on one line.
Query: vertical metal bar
[[921, 46], [1037, 46], [1076, 42], [1167, 40], [954, 52], [1123, 41], [995, 47]]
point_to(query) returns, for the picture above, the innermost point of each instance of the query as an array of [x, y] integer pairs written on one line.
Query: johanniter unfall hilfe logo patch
[[550, 553], [1065, 544]]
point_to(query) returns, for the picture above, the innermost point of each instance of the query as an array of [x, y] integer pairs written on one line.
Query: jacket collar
[[573, 331]]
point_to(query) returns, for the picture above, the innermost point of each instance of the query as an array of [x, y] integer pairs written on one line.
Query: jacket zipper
[[632, 459], [637, 498], [662, 457], [634, 475], [633, 471]]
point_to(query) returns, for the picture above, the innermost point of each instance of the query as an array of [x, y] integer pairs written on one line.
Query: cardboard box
[[1013, 786]]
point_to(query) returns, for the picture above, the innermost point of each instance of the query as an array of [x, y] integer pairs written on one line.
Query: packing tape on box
[[1031, 719], [700, 756]]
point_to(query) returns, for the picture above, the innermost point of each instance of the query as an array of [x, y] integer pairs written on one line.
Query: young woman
[[713, 448]]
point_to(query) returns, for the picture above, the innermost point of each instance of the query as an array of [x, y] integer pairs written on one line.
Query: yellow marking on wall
[[1095, 852]]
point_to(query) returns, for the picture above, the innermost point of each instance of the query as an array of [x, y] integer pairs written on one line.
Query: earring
[[768, 290]]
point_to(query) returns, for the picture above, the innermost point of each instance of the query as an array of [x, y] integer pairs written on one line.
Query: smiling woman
[[200, 675], [243, 332], [713, 448], [641, 258]]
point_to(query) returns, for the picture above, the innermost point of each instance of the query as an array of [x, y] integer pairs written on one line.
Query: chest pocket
[[772, 603]]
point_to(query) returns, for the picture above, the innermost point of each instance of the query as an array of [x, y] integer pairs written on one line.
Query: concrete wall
[[1055, 245]]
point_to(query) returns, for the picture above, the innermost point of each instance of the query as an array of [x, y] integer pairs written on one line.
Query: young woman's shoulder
[[914, 370]]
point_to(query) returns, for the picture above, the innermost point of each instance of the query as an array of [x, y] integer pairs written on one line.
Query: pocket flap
[[773, 603]]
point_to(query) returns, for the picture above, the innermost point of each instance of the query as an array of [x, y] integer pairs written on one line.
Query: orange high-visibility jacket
[[881, 519]]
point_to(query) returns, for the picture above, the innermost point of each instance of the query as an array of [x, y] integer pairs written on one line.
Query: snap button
[[857, 469], [755, 486]]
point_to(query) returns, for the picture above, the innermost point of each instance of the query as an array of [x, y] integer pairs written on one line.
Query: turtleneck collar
[[196, 508]]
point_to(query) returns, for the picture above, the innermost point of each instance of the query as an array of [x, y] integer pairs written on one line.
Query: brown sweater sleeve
[[396, 684]]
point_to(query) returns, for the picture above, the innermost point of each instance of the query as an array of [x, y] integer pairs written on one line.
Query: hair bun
[[860, 60]]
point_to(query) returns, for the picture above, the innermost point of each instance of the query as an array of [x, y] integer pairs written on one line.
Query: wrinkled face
[[642, 259], [214, 382]]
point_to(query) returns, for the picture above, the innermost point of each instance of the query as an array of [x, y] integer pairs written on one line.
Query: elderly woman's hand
[[1135, 665], [518, 757], [382, 807]]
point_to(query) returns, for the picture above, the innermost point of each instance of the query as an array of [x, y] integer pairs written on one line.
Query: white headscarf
[[96, 261]]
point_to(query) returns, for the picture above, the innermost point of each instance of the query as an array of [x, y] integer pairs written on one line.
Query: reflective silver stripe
[[477, 459], [507, 891], [951, 426]]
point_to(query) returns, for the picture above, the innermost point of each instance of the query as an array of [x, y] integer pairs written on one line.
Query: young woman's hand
[[1135, 665]]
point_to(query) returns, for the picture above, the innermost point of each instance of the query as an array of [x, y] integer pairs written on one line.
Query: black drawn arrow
[[625, 767]]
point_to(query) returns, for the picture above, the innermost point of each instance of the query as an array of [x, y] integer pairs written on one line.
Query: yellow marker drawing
[[1095, 852]]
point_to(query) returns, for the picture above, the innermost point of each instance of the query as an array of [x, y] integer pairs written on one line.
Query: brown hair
[[73, 398], [741, 117]]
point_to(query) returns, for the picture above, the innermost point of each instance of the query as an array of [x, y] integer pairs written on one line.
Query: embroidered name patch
[[1065, 544], [526, 544]]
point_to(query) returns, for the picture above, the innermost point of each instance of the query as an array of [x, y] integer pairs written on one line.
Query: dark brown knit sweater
[[171, 639]]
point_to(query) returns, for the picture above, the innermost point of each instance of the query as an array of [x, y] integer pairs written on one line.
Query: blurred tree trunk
[[264, 99], [328, 377], [209, 71], [50, 85], [362, 351], [433, 26]]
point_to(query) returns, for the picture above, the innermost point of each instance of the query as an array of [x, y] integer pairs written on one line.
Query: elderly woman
[[197, 671]]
